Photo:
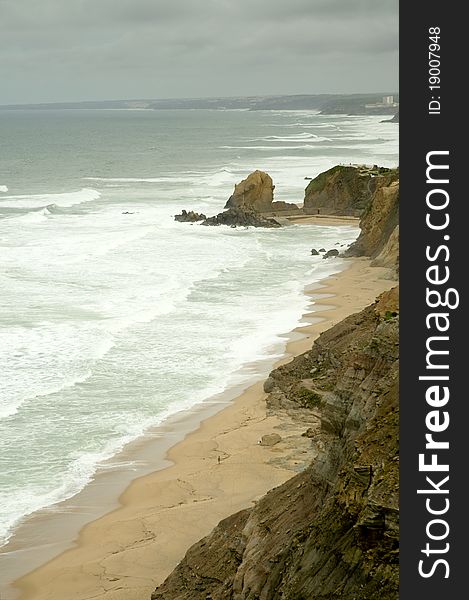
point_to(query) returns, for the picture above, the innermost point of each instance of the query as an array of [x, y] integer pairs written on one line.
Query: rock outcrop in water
[[189, 217], [250, 205], [256, 192], [345, 190], [241, 217], [330, 532]]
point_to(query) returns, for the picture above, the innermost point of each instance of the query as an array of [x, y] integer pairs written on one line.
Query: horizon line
[[175, 98]]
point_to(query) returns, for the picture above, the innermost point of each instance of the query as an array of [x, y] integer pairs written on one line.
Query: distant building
[[387, 102]]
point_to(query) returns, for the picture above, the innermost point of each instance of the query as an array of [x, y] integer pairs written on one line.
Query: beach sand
[[324, 220], [216, 470]]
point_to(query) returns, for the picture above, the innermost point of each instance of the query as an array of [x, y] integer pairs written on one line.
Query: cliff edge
[[345, 189], [379, 237], [331, 531]]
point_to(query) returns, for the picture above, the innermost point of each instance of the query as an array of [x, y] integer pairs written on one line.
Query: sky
[[73, 50]]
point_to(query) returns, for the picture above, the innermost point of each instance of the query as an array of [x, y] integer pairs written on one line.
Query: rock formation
[[331, 531], [345, 190], [189, 217], [241, 217], [250, 205], [255, 192], [285, 208], [379, 237], [329, 253]]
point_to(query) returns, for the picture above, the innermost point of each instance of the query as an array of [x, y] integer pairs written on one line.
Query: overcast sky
[[60, 50]]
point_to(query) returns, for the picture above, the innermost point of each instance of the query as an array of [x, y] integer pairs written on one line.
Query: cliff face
[[379, 237], [345, 190], [332, 530]]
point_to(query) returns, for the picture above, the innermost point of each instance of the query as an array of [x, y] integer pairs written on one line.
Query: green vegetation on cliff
[[346, 189]]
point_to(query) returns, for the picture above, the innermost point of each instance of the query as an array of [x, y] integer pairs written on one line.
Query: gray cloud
[[57, 50]]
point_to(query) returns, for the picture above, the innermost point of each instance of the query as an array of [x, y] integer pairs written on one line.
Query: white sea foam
[[297, 137], [3, 189], [43, 200], [91, 298], [167, 179], [298, 147]]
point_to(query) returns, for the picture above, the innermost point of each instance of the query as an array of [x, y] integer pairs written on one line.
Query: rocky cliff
[[345, 190], [331, 531], [251, 205], [379, 237]]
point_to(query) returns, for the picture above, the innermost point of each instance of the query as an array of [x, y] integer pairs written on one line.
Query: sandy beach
[[324, 220], [214, 471]]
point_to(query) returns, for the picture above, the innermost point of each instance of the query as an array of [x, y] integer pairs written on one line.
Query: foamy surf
[[35, 201], [117, 316]]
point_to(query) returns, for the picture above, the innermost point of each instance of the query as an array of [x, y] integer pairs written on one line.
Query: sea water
[[112, 315]]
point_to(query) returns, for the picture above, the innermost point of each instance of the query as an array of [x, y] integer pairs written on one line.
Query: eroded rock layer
[[331, 531]]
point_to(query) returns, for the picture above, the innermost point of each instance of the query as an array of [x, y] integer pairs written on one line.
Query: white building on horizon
[[387, 102]]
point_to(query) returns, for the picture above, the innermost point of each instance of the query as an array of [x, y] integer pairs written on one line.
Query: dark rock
[[241, 217], [322, 249], [309, 433], [329, 253], [314, 252], [269, 385], [189, 217]]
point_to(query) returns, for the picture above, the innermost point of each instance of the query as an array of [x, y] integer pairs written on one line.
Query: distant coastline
[[349, 104]]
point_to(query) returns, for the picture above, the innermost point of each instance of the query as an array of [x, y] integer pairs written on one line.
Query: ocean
[[112, 315]]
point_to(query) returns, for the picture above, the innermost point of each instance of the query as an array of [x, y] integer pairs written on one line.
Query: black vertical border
[[420, 133]]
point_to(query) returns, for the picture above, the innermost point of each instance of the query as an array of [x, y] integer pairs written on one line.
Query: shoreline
[[128, 551]]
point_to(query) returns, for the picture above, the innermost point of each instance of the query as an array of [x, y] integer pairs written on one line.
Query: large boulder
[[241, 217], [330, 253], [250, 205], [345, 190], [256, 192]]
